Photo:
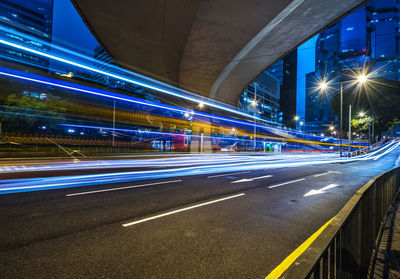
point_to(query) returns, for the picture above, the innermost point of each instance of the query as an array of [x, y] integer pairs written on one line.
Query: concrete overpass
[[211, 47]]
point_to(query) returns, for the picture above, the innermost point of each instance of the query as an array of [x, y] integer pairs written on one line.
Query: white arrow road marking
[[251, 179], [325, 173], [320, 191]]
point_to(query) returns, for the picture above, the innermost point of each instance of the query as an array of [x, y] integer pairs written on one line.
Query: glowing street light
[[361, 114], [323, 85], [361, 79], [296, 118], [331, 128]]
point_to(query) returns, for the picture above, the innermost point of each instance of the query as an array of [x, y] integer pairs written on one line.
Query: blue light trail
[[46, 183], [111, 129], [106, 94], [129, 80]]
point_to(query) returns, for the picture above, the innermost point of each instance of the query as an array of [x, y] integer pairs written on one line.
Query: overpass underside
[[212, 48]]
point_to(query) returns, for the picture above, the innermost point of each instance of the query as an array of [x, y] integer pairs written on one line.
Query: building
[[285, 70], [385, 51], [104, 62], [266, 90], [29, 23], [368, 39], [289, 89], [319, 116], [277, 71]]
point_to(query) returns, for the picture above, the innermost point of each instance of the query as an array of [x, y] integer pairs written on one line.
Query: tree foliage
[[379, 99]]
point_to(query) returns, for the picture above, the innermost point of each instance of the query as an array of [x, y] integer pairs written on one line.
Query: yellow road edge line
[[286, 263]]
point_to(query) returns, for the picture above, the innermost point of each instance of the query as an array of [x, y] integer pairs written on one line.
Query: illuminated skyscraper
[[266, 91], [29, 23], [368, 39]]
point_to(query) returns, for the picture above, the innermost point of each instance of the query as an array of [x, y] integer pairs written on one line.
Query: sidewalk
[[385, 261]]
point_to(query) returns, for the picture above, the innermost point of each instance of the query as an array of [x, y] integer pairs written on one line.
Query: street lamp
[[301, 126], [361, 114], [361, 79], [254, 104], [323, 85]]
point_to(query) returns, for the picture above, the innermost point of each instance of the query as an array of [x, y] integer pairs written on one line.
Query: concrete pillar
[[201, 139]]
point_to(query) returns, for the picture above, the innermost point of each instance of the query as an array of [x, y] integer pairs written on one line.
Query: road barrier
[[344, 248]]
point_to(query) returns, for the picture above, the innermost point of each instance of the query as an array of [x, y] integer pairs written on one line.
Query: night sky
[[305, 65], [70, 31]]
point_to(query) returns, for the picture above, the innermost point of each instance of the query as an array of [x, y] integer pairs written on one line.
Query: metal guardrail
[[344, 248]]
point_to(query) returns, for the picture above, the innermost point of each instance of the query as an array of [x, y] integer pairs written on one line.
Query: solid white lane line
[[180, 210], [251, 179], [212, 176], [122, 188], [325, 173], [321, 174], [285, 183]]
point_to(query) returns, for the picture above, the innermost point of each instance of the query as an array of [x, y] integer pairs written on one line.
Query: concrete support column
[[201, 139]]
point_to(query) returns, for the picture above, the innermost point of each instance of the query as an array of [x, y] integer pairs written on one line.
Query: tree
[[379, 98]]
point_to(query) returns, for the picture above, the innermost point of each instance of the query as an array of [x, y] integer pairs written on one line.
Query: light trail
[[106, 94], [129, 80], [35, 184], [187, 160], [124, 98]]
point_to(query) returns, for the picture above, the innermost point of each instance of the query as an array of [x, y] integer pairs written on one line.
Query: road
[[225, 216]]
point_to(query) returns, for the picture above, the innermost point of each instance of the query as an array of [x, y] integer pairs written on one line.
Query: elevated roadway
[[213, 48]]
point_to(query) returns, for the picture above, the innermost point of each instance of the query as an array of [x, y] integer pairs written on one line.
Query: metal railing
[[344, 248]]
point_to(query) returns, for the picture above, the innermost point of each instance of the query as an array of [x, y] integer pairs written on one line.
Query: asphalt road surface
[[226, 216]]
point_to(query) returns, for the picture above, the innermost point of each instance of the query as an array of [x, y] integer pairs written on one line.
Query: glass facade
[[27, 22], [266, 91], [366, 39]]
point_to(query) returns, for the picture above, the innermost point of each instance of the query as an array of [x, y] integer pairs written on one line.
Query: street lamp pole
[[255, 108], [113, 133], [341, 118], [373, 131], [369, 133], [349, 128]]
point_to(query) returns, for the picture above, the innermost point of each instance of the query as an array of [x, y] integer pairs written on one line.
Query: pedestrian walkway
[[385, 261]]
